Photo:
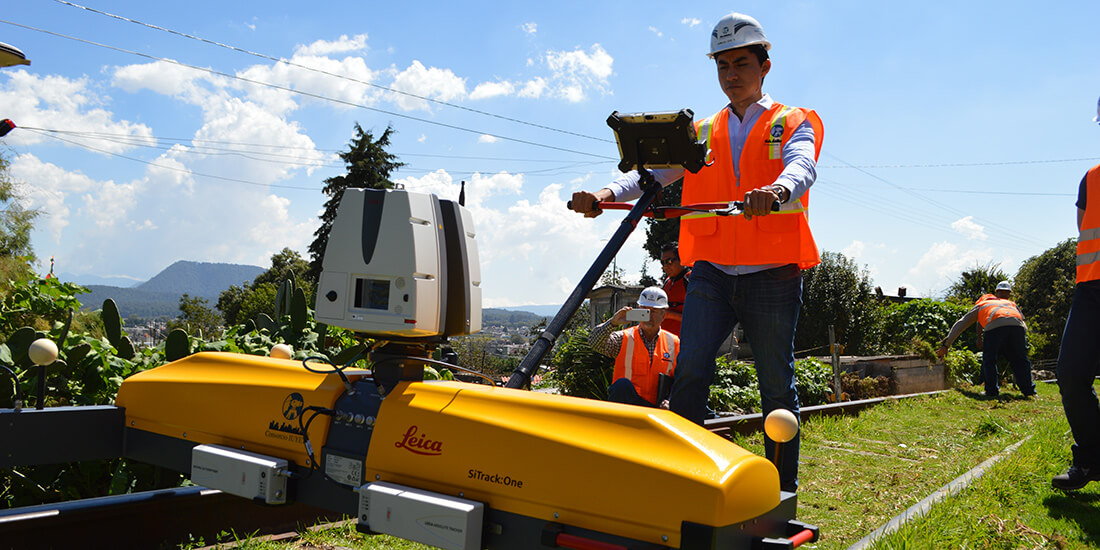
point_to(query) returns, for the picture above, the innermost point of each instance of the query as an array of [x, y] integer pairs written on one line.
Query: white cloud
[[690, 21], [160, 77], [946, 260], [430, 82], [73, 105], [529, 28], [854, 250], [423, 138], [967, 227], [487, 90], [343, 44], [348, 91], [655, 31], [534, 88], [486, 138], [576, 71]]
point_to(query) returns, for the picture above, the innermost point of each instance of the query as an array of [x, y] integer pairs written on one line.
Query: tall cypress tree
[[369, 167]]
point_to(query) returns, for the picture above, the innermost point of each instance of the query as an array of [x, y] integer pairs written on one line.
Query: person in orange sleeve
[[1079, 357], [745, 269], [1003, 331], [675, 286], [642, 353]]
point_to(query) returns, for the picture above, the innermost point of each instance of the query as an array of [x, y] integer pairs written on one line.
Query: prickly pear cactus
[[177, 345], [126, 348], [112, 321], [298, 311], [265, 322]]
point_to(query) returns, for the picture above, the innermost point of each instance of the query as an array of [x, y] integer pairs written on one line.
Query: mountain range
[[159, 296]]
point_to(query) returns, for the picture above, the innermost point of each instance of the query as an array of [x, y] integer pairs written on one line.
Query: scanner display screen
[[372, 294]]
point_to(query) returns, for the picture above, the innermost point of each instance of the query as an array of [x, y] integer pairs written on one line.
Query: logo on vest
[[777, 131], [667, 357], [420, 445]]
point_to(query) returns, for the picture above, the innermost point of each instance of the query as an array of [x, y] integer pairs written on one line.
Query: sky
[[955, 134]]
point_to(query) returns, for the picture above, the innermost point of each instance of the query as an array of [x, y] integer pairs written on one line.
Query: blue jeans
[[623, 391], [1012, 341], [766, 304], [1078, 365]]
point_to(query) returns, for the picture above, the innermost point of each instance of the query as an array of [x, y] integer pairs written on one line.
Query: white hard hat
[[736, 30], [1004, 285], [653, 297]]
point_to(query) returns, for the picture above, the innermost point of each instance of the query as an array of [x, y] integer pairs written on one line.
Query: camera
[[639, 314]]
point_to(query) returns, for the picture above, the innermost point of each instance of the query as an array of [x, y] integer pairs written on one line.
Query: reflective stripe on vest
[[733, 240], [996, 308], [1088, 241]]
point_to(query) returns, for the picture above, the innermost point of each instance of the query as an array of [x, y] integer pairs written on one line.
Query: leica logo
[[419, 444]]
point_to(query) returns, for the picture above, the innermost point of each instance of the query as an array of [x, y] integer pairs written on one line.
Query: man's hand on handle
[[585, 202], [758, 202]]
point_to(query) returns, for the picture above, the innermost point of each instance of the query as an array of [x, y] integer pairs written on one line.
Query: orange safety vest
[[779, 238], [993, 307], [635, 364], [1088, 242]]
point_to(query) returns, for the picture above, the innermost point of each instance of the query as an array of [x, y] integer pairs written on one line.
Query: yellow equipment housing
[[624, 470]]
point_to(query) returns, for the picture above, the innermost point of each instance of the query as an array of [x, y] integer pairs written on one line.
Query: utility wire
[[962, 164], [143, 141], [945, 207], [327, 73], [304, 93], [185, 171]]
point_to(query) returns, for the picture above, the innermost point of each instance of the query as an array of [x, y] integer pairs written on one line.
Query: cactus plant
[[265, 322], [177, 345], [298, 311], [112, 321]]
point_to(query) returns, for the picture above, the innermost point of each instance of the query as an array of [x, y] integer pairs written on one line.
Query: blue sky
[[955, 133]]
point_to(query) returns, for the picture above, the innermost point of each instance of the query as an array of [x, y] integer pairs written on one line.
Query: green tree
[[837, 292], [660, 232], [196, 317], [238, 304], [369, 166], [646, 279], [1044, 291], [16, 221], [972, 283]]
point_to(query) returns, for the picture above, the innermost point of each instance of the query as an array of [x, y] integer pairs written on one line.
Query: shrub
[[736, 389], [962, 367], [580, 371]]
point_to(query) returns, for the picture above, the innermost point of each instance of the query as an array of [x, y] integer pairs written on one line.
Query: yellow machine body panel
[[620, 469], [243, 401]]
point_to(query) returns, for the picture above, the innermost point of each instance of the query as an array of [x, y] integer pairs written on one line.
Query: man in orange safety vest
[[642, 353]]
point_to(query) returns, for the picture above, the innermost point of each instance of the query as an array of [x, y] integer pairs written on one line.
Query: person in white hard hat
[[745, 269], [1079, 356], [642, 353], [1003, 331]]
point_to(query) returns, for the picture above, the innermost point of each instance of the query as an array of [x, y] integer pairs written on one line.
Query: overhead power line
[[327, 73], [304, 93], [1006, 230]]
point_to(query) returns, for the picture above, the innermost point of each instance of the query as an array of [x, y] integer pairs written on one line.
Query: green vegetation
[[369, 166]]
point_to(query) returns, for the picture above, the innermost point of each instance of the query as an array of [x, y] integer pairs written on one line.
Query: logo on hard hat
[[742, 25]]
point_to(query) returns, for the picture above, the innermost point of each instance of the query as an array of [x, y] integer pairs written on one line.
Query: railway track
[[168, 518]]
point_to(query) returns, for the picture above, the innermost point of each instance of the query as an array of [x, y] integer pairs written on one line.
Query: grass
[[857, 472]]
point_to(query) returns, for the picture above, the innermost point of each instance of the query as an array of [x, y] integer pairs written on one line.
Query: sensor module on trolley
[[249, 475], [431, 518]]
